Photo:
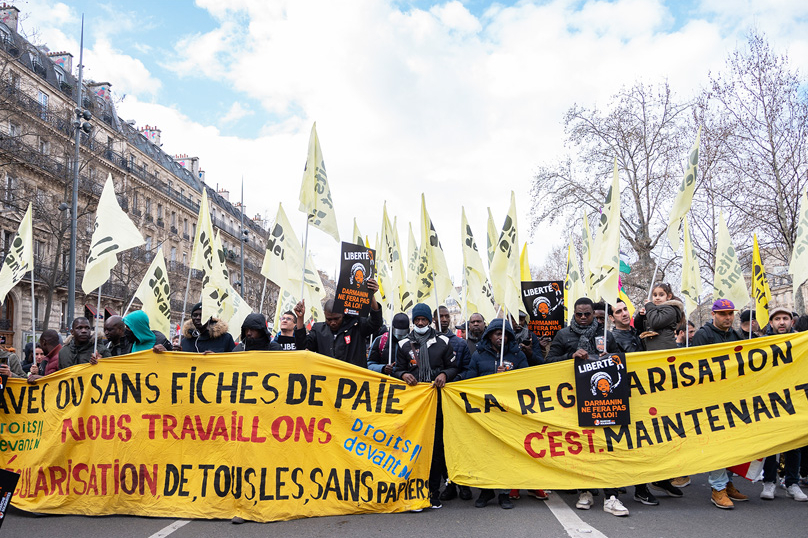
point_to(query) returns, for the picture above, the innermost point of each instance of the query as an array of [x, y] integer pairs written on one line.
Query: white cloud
[[236, 112]]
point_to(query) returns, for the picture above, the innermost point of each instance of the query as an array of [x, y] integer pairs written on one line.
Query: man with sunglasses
[[582, 339]]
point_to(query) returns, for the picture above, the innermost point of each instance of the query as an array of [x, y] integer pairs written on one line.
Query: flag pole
[[390, 337], [33, 312], [185, 301], [263, 293], [437, 300], [502, 342], [651, 287], [687, 329], [130, 306], [305, 255], [95, 324], [605, 323]]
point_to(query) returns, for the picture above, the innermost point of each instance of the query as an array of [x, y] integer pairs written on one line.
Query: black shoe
[[435, 502], [465, 493], [667, 487], [449, 493], [620, 490], [485, 496], [642, 495], [505, 501]]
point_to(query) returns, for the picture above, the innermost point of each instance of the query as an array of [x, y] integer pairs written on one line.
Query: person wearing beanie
[[208, 337], [427, 357], [380, 350], [343, 337]]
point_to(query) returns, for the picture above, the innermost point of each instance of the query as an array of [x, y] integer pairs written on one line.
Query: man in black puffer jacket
[[208, 337], [343, 337]]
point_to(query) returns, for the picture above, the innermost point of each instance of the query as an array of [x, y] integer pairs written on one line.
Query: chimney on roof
[[101, 89], [63, 60], [224, 193], [151, 133], [9, 15], [189, 163]]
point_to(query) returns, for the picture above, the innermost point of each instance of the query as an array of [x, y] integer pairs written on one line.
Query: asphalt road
[[691, 515]]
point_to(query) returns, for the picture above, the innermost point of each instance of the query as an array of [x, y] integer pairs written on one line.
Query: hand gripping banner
[[692, 410], [261, 435]]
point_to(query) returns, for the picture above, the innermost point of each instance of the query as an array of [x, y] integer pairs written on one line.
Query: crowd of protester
[[426, 348]]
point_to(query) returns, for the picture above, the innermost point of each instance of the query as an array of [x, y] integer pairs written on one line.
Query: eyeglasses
[[583, 314]]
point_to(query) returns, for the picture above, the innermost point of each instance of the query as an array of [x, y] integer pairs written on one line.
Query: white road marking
[[162, 533], [575, 526]]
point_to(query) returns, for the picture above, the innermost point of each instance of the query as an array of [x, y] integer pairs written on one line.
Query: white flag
[[154, 293]]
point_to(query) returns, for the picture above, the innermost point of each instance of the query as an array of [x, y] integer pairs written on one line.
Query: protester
[[342, 336], [781, 322], [291, 337], [624, 334], [582, 337], [461, 331], [718, 330], [475, 332], [255, 336], [681, 339], [27, 357], [580, 341], [486, 361], [600, 312], [427, 357], [749, 317], [208, 337], [49, 342], [379, 359], [132, 334], [82, 348], [528, 341], [10, 364], [658, 319], [459, 345]]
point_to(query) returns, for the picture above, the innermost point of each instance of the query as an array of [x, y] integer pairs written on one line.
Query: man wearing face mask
[[343, 337], [379, 358], [427, 357]]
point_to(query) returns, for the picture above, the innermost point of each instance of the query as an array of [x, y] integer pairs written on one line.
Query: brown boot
[[734, 494], [721, 500]]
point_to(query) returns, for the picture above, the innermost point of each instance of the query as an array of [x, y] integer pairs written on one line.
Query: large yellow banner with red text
[[692, 410], [261, 435]]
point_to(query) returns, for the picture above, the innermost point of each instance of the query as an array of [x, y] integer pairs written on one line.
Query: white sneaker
[[585, 501], [796, 493], [768, 491], [614, 507]]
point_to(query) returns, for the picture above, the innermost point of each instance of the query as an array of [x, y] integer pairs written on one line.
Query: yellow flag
[[413, 261], [113, 233], [629, 305], [479, 296], [433, 274], [524, 265], [798, 267], [20, 257], [761, 293], [506, 281], [202, 253], [285, 303], [605, 255], [491, 237], [691, 273], [154, 293], [586, 254], [216, 299], [315, 195], [684, 196], [728, 281], [387, 255], [357, 235], [314, 292], [283, 259], [574, 287], [384, 279]]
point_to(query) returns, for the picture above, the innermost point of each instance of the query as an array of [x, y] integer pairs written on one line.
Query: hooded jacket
[[13, 362], [348, 343], [485, 360], [565, 343], [213, 337], [710, 334], [663, 320], [442, 359], [258, 322], [73, 353]]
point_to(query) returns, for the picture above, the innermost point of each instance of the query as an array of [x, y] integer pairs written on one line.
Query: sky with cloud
[[460, 100]]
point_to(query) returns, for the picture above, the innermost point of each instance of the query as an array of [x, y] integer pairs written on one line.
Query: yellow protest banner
[[261, 435], [692, 410]]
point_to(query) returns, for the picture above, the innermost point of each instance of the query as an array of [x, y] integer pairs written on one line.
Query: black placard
[[544, 302], [357, 265], [8, 482], [602, 390]]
